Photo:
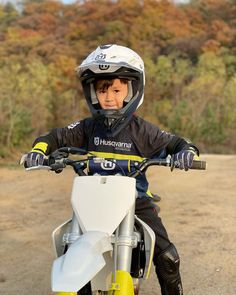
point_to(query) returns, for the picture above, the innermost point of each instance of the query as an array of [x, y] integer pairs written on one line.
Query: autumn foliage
[[189, 53]]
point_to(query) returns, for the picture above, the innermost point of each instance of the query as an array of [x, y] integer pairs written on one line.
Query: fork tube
[[115, 255], [124, 249], [75, 228]]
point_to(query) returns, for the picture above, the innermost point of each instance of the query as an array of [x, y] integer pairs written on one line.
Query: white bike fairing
[[101, 202], [82, 261]]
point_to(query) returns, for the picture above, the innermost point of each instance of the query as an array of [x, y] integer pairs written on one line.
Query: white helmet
[[111, 62]]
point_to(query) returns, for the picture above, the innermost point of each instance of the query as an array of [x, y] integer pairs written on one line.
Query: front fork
[[122, 283], [74, 233]]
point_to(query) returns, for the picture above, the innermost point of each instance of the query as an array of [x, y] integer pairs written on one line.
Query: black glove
[[35, 157], [183, 159]]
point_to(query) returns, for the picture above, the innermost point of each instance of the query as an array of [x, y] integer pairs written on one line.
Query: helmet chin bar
[[109, 122], [114, 126], [113, 120]]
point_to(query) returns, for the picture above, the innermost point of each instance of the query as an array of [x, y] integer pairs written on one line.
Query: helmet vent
[[106, 46]]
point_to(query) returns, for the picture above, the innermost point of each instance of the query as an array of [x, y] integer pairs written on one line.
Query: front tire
[[86, 290]]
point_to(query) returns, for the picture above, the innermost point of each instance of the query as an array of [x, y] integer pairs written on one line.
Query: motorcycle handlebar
[[140, 167], [197, 165], [200, 165], [58, 160]]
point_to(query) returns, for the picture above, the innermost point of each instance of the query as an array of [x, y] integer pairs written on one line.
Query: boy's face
[[111, 93]]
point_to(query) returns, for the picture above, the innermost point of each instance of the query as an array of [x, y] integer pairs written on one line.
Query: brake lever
[[39, 167]]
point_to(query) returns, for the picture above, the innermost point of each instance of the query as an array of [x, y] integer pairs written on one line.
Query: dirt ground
[[198, 209]]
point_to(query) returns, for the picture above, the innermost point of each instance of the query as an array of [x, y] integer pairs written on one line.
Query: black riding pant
[[146, 210], [166, 259]]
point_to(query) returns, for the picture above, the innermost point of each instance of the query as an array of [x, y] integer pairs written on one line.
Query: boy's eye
[[101, 91]]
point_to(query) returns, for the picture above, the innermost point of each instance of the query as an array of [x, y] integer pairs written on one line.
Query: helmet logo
[[100, 56], [104, 67]]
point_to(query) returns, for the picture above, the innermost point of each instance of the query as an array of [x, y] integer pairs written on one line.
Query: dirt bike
[[104, 248]]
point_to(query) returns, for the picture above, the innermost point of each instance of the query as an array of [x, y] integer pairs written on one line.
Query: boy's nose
[[109, 95]]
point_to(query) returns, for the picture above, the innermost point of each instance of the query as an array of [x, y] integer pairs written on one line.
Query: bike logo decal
[[108, 165]]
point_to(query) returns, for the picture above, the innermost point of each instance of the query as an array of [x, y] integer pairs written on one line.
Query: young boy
[[113, 81]]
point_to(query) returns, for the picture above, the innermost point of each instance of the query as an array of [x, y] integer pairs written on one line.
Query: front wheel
[[86, 290]]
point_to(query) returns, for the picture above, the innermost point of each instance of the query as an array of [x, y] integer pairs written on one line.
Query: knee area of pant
[[168, 261]]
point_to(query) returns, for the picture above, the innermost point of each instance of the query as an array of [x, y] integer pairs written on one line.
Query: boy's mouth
[[110, 107]]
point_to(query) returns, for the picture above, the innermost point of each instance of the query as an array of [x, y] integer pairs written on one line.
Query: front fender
[[83, 260]]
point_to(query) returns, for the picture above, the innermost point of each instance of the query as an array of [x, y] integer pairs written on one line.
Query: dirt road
[[198, 208]]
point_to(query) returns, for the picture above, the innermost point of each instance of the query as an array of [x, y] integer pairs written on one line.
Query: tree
[[189, 54]]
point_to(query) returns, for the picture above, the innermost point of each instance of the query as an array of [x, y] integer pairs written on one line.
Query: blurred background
[[189, 50]]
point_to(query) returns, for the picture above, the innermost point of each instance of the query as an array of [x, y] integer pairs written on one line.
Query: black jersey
[[138, 140]]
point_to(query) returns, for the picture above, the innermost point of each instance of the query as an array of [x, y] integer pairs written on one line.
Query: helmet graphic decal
[[100, 56], [104, 67]]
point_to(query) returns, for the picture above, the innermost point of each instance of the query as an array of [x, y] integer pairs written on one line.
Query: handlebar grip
[[199, 165]]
